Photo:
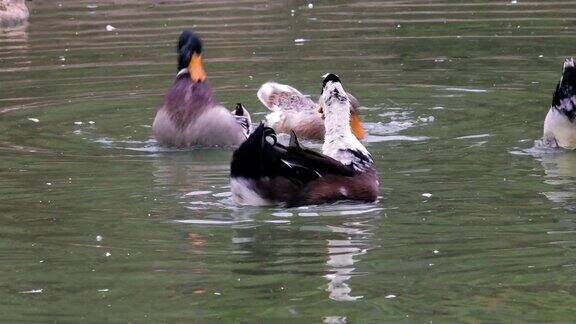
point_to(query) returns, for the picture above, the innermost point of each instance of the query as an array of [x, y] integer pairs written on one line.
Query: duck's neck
[[337, 124]]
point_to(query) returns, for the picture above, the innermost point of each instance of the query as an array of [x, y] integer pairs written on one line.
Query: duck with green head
[[190, 115]]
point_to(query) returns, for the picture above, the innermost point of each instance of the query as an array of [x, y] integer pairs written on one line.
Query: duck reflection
[[341, 260], [196, 172], [560, 170]]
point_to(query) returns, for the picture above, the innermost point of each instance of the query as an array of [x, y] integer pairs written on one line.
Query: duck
[[293, 111], [560, 122], [266, 172], [190, 115], [13, 13]]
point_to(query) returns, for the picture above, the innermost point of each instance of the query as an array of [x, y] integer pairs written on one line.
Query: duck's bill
[[356, 126], [196, 69]]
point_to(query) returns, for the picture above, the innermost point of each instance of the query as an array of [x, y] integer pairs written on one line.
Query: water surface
[[97, 223]]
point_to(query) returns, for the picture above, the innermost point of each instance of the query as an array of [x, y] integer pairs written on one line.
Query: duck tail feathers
[[243, 118], [564, 99], [252, 157]]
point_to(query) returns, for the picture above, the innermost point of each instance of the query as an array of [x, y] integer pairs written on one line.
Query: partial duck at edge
[[13, 13], [560, 122]]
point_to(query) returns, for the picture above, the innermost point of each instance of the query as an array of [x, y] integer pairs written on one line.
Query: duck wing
[[261, 156], [276, 96]]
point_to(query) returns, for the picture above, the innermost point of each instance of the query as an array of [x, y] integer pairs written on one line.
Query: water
[[474, 224]]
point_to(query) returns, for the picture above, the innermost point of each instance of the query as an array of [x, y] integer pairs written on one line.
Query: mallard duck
[[190, 115], [13, 12], [560, 123], [264, 171], [293, 111]]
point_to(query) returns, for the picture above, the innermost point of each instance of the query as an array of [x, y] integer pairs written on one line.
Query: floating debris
[[78, 123], [427, 195], [33, 291], [34, 120], [310, 6], [390, 296], [110, 28]]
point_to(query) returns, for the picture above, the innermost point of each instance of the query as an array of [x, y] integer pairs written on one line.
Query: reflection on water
[[448, 90], [15, 58], [560, 169], [341, 261]]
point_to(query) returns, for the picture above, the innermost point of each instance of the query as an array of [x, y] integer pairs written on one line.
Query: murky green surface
[[98, 224]]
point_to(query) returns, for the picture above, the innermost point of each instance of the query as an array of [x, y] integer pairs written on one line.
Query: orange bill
[[196, 68], [356, 126]]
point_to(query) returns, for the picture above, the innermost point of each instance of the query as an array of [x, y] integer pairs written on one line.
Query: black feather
[[262, 156], [329, 77], [293, 140], [240, 118], [239, 110], [564, 96]]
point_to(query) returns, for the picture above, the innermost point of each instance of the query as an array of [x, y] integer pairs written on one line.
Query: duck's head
[[190, 55], [340, 103]]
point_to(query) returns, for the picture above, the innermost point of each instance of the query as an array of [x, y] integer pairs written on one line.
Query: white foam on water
[[212, 221], [473, 136]]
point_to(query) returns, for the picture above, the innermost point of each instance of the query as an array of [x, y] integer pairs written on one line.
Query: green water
[[99, 224]]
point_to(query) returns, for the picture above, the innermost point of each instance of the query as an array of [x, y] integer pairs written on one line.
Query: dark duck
[[560, 122], [264, 171], [190, 115]]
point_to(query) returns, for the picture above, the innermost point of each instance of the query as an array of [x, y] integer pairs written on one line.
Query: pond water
[[473, 224]]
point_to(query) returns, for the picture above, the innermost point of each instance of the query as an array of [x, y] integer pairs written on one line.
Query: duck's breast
[[559, 127], [165, 130], [216, 126]]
